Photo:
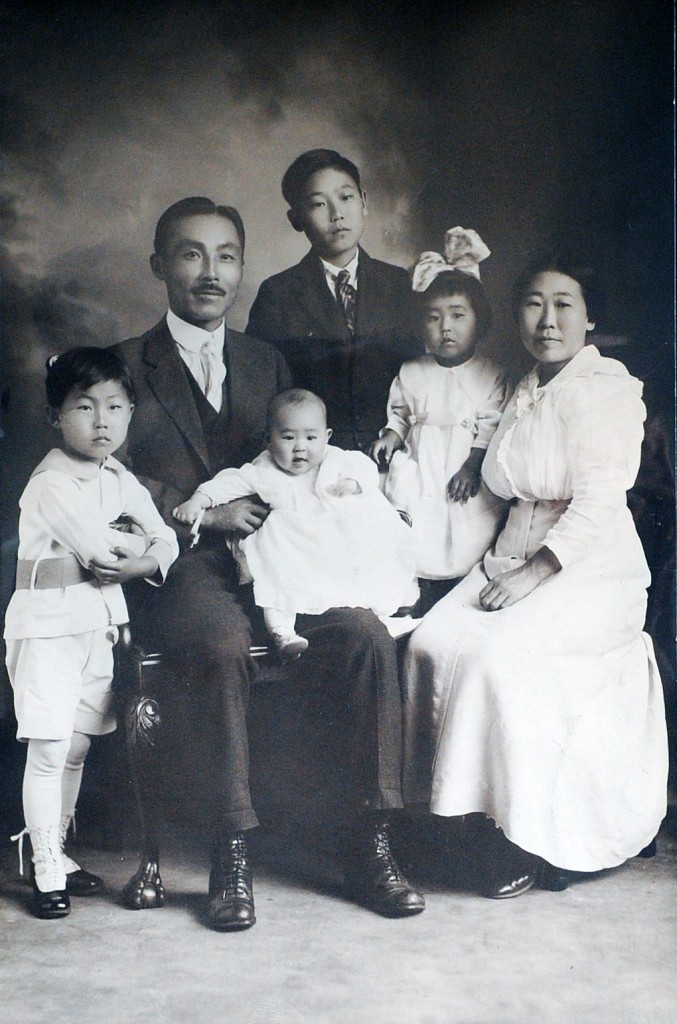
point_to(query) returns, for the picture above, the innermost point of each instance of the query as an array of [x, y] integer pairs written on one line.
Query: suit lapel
[[370, 300], [166, 377], [238, 376], [323, 311], [313, 294]]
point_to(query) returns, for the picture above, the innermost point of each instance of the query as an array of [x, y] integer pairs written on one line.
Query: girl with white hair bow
[[443, 409]]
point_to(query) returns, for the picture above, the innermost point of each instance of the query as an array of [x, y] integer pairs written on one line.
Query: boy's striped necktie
[[347, 296]]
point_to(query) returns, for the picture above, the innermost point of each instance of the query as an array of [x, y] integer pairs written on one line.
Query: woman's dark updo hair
[[455, 282], [563, 263], [82, 368]]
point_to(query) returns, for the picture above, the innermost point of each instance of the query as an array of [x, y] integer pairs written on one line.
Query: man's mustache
[[208, 289]]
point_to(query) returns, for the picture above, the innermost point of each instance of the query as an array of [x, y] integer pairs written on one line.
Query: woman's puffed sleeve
[[163, 545], [491, 410], [603, 419], [398, 410]]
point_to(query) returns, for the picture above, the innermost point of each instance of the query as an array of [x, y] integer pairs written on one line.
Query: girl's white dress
[[548, 715], [441, 413], [316, 551]]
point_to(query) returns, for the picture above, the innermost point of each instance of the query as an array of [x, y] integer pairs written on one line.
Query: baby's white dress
[[548, 715], [441, 413], [316, 551]]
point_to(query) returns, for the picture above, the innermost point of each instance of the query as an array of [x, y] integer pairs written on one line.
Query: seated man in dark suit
[[202, 394], [341, 319]]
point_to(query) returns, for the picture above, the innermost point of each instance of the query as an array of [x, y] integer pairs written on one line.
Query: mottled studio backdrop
[[529, 121]]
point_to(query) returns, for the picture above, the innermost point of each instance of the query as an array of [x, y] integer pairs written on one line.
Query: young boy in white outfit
[[61, 623]]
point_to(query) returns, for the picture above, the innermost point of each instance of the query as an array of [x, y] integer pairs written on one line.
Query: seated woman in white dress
[[331, 540], [532, 692]]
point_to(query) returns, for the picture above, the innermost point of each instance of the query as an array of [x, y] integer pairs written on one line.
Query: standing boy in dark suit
[[202, 393], [340, 318]]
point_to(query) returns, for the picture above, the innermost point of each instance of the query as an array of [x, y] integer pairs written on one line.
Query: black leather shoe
[[83, 883], [231, 892], [78, 883], [50, 905], [649, 851], [513, 887], [551, 878], [374, 879]]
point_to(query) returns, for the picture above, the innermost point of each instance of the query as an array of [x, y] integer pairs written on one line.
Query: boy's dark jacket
[[296, 312]]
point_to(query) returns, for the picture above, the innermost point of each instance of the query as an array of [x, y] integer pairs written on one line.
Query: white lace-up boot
[[78, 881], [50, 899]]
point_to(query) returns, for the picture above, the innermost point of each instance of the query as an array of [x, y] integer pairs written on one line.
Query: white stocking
[[45, 763], [70, 788], [72, 776]]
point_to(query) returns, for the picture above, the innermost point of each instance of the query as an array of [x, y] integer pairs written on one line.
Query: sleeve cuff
[[396, 429], [200, 490], [164, 555], [559, 548]]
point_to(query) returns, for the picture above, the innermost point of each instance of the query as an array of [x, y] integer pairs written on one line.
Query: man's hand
[[242, 516], [128, 566]]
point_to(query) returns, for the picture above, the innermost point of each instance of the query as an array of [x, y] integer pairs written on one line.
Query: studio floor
[[603, 951]]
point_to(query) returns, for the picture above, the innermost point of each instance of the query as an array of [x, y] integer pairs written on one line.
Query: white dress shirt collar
[[202, 353], [332, 272], [188, 336]]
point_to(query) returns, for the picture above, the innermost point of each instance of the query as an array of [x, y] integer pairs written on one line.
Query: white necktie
[[213, 372]]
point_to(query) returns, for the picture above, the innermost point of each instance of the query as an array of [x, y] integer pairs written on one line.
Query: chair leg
[[144, 890]]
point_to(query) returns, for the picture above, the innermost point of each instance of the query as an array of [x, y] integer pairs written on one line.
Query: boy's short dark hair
[[82, 368], [297, 174], [292, 396], [455, 282], [563, 263], [194, 206]]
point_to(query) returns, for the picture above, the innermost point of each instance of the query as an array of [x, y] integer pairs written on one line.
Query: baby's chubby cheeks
[[297, 432]]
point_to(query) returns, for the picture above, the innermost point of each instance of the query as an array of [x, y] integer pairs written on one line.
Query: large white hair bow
[[464, 250]]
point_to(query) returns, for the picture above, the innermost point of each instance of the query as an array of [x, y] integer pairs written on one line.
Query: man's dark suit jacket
[[296, 312], [166, 445], [197, 620]]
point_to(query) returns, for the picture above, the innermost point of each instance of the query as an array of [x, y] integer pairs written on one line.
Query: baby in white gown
[[331, 539]]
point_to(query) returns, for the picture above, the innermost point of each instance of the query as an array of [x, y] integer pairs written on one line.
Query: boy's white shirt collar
[[331, 272], [191, 338], [81, 469]]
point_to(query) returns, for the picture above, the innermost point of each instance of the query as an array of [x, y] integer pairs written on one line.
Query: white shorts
[[62, 684]]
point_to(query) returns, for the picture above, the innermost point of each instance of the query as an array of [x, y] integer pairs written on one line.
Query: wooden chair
[[139, 689]]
